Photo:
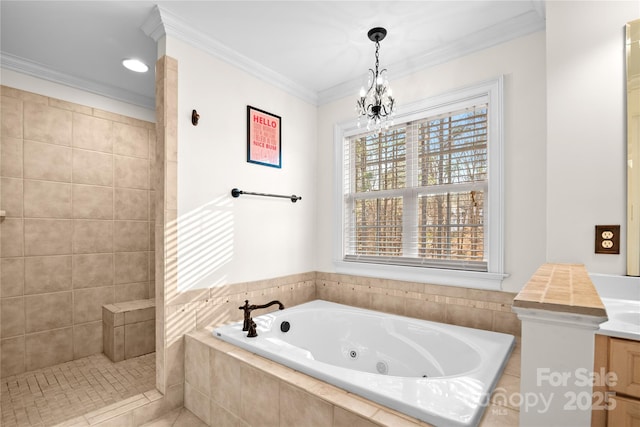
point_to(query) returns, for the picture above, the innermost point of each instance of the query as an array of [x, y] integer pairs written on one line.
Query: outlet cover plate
[[607, 239]]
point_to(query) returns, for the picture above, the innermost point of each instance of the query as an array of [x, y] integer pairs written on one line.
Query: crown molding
[[162, 22], [31, 68]]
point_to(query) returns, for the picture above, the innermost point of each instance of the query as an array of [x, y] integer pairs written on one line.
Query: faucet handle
[[252, 330], [245, 306]]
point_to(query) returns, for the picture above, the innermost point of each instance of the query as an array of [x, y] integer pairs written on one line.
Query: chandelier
[[376, 103]]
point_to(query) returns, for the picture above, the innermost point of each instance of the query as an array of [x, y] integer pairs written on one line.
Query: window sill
[[434, 276]]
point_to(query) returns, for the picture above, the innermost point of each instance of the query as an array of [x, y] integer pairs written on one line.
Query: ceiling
[[317, 50]]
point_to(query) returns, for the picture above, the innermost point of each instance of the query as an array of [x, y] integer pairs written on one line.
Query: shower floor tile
[[50, 395]]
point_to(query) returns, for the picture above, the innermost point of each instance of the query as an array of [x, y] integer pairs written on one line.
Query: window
[[424, 197]]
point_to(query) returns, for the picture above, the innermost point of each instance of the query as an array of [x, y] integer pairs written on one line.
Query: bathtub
[[441, 374]]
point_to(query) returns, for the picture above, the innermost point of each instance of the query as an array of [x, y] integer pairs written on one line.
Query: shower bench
[[129, 329]]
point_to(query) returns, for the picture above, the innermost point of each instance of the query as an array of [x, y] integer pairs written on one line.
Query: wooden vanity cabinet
[[621, 357]]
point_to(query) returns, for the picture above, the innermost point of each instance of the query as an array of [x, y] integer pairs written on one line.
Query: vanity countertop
[[621, 298]]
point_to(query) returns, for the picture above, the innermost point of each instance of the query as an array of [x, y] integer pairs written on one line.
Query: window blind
[[415, 194]]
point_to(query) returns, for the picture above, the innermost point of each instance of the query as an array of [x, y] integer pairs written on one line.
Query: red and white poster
[[263, 138]]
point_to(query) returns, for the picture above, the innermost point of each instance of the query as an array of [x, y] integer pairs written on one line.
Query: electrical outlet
[[607, 239]]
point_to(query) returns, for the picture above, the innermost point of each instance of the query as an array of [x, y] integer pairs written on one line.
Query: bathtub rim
[[482, 403]]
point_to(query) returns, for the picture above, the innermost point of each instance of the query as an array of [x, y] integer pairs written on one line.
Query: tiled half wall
[[78, 232], [488, 310]]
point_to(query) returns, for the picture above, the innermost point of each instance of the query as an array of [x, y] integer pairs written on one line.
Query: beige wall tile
[[259, 402], [131, 292], [131, 140], [197, 403], [92, 236], [139, 338], [131, 267], [152, 205], [343, 418], [92, 133], [92, 270], [11, 196], [427, 310], [47, 162], [131, 204], [12, 317], [12, 117], [301, 408], [11, 158], [171, 185], [87, 339], [90, 167], [47, 124], [131, 236], [140, 315], [469, 316], [174, 362], [47, 274], [108, 340], [152, 144], [47, 311], [48, 348], [44, 199], [196, 365], [387, 303], [92, 202], [47, 236], [113, 346], [225, 387], [131, 172], [12, 356], [11, 277], [11, 237], [66, 105], [87, 303], [222, 417]]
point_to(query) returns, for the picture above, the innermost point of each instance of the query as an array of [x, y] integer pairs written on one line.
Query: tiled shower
[[78, 231]]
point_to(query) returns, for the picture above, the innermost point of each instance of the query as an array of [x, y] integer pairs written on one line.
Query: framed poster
[[264, 145]]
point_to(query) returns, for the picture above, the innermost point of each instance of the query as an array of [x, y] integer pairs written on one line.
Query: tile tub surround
[[475, 308], [75, 185], [129, 329], [226, 385]]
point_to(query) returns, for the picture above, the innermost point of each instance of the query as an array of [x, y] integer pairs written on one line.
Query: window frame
[[492, 91]]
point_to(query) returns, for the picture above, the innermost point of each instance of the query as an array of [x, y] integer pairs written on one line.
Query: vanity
[[616, 390]]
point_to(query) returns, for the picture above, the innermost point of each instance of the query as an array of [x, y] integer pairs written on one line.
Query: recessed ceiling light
[[135, 65]]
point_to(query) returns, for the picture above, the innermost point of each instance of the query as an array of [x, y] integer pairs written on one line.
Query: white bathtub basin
[[441, 374]]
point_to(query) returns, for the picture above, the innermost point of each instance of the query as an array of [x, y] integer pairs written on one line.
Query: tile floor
[[48, 396]]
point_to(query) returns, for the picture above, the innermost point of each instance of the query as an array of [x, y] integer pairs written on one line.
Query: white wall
[[586, 138], [221, 239], [522, 62]]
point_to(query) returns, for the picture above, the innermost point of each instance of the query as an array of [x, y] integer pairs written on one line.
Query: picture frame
[[264, 138]]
